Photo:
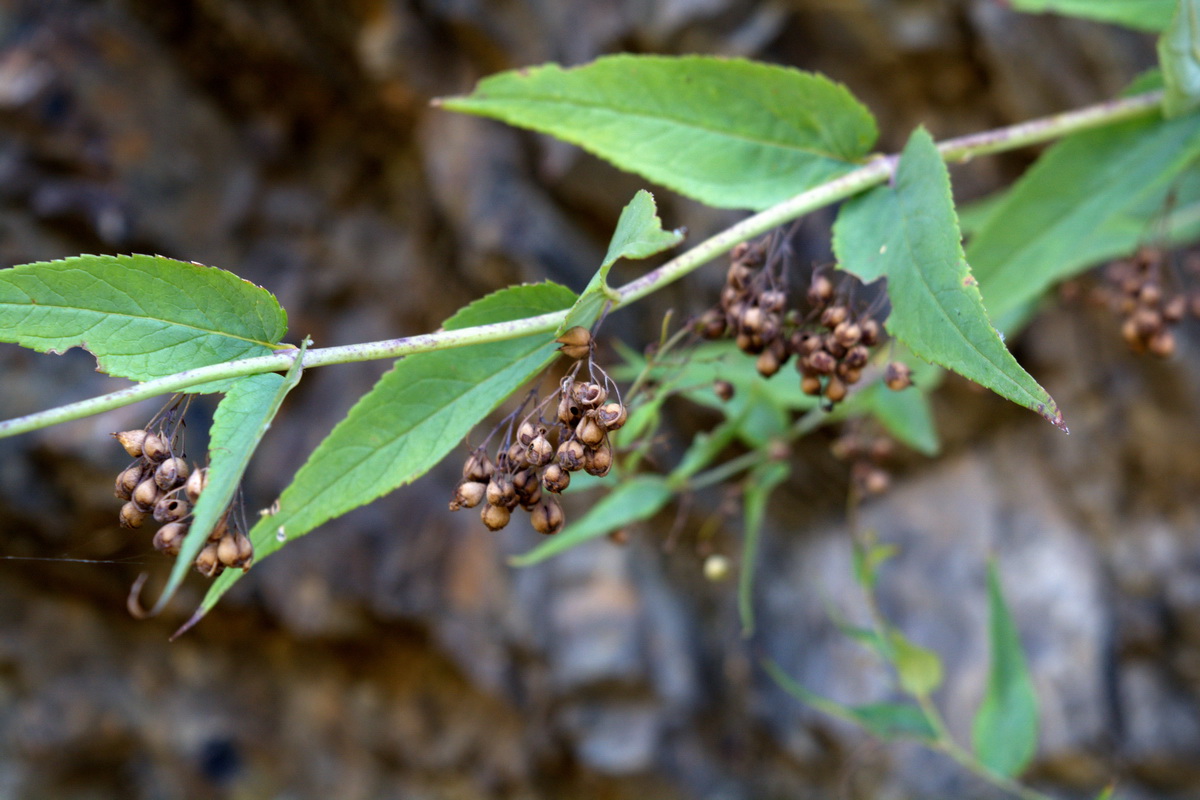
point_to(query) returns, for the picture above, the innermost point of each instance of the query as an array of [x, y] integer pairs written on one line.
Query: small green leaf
[[239, 423], [1179, 57], [142, 317], [919, 668], [1006, 726], [639, 234], [907, 232], [759, 485], [1143, 15], [869, 556], [888, 721], [636, 499], [1107, 793], [727, 132], [1088, 198]]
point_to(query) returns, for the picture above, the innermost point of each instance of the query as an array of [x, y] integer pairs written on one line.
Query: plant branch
[[871, 174]]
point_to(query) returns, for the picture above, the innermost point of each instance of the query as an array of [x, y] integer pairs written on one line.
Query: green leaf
[[869, 556], [415, 414], [639, 234], [727, 132], [1179, 57], [1006, 726], [888, 721], [142, 317], [636, 499], [1144, 15], [1088, 198], [919, 669], [239, 423], [1107, 793], [761, 482], [907, 232]]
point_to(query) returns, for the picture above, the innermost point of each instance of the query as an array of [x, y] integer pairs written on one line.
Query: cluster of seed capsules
[[868, 457], [531, 468], [831, 340], [161, 486], [1149, 310]]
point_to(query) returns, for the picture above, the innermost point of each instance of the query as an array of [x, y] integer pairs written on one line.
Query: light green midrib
[[467, 104]]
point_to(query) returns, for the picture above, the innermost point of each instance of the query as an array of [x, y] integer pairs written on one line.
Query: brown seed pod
[[870, 332], [752, 319], [1174, 309], [245, 550], [495, 517], [834, 347], [749, 343], [612, 416], [195, 483], [1150, 294], [500, 490], [169, 538], [882, 448], [598, 460], [227, 551], [732, 298], [871, 479], [711, 324], [849, 374], [131, 516], [1146, 321], [540, 452], [478, 467], [131, 441], [571, 454], [740, 275], [773, 300], [846, 447], [569, 411], [170, 473], [208, 563], [821, 362], [835, 389], [723, 389], [897, 376], [857, 356], [547, 516], [155, 447], [145, 494], [767, 363], [528, 432], [820, 290], [127, 481], [589, 395], [516, 455], [575, 343], [810, 385], [1161, 343], [804, 342], [468, 494], [834, 316], [590, 432], [848, 334], [171, 508], [555, 478]]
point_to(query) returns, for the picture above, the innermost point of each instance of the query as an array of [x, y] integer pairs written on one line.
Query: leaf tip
[[191, 623]]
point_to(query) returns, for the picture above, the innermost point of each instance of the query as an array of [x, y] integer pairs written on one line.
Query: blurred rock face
[[392, 653]]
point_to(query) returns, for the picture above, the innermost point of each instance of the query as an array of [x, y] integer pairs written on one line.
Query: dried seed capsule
[[1146, 321], [810, 385], [127, 481], [478, 467], [731, 298], [208, 563], [528, 432], [835, 389], [227, 551], [575, 343], [897, 376], [468, 494], [196, 483], [870, 332], [556, 478], [589, 395], [723, 389], [820, 290], [571, 454], [739, 275], [170, 473], [131, 441], [849, 374], [848, 334], [711, 324], [547, 517], [846, 447], [590, 432], [856, 357], [1174, 309], [245, 550], [524, 481], [767, 363], [516, 455], [752, 319], [1150, 294], [169, 538], [598, 461], [531, 498], [821, 362], [131, 516], [1162, 343], [882, 448], [171, 508], [834, 316], [612, 416], [569, 411], [495, 517], [540, 451], [749, 343], [155, 447], [500, 490], [773, 300], [833, 346], [1129, 332], [872, 480], [145, 494], [804, 342]]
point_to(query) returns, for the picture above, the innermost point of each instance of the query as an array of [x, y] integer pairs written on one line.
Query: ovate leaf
[[888, 721], [142, 317], [639, 234], [919, 668], [416, 413], [638, 498], [907, 232], [759, 485], [1179, 57], [1005, 728], [727, 132], [1088, 198], [1145, 15]]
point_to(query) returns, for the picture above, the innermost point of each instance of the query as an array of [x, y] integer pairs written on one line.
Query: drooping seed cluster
[[868, 457], [830, 338], [1135, 289], [162, 486], [533, 466]]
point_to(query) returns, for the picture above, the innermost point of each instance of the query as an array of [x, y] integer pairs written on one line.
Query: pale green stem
[[871, 174]]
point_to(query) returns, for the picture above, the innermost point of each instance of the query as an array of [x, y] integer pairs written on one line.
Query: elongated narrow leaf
[[888, 721], [639, 234], [1090, 197], [416, 413], [1005, 728], [759, 486], [1179, 57], [727, 132], [142, 317], [907, 232], [638, 498], [241, 419], [1145, 15]]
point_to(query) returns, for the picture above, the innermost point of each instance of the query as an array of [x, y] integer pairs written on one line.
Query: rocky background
[[392, 654]]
